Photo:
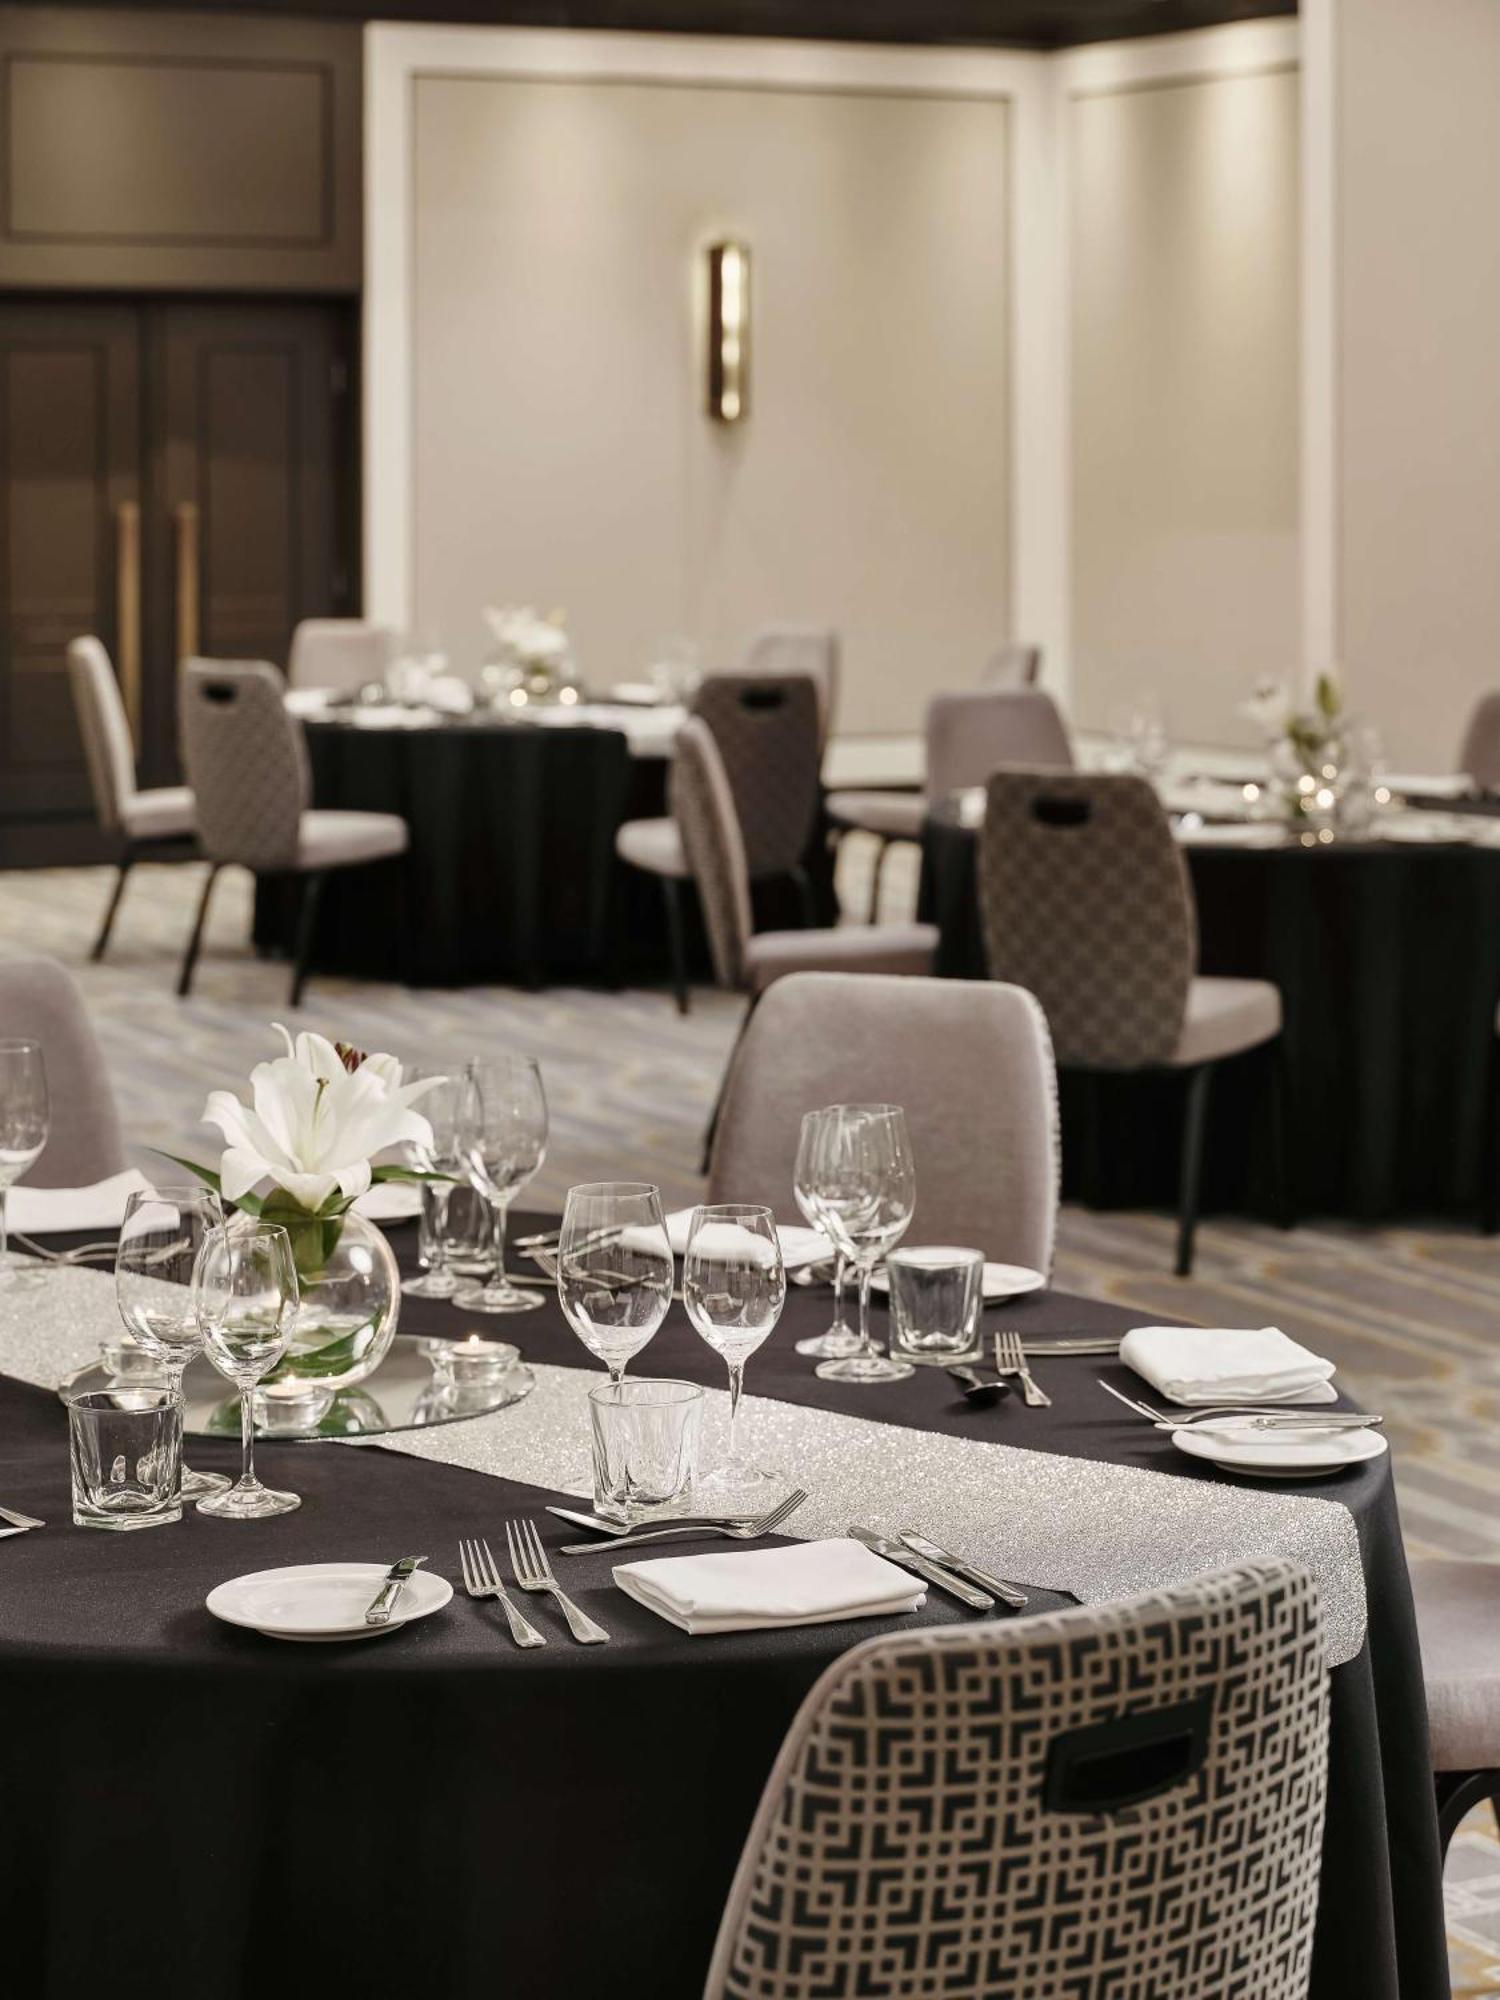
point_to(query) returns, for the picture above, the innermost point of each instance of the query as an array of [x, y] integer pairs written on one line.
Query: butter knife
[[1006, 1592], [384, 1603], [893, 1551]]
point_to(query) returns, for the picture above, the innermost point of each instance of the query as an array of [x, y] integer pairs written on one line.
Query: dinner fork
[[19, 1521], [533, 1572], [734, 1531], [83, 1253], [482, 1579], [1250, 1416], [1010, 1359]]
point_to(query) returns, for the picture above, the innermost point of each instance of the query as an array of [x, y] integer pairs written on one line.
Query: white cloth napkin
[[748, 1590], [799, 1246], [44, 1211], [391, 1201], [1201, 1364]]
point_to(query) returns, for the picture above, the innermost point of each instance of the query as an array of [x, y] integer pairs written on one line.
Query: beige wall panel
[[1184, 253], [562, 453]]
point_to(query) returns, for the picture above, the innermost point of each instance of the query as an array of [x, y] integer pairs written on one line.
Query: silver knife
[[1007, 1593], [20, 1520], [977, 1600], [384, 1603]]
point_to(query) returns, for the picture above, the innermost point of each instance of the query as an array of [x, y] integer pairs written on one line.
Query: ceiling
[[1022, 24]]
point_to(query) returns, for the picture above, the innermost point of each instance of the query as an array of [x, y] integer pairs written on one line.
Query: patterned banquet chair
[[1123, 1799], [800, 649], [1458, 1628], [967, 736], [971, 1063], [1012, 665], [158, 821], [40, 1002], [248, 762], [340, 654], [767, 730], [1085, 901]]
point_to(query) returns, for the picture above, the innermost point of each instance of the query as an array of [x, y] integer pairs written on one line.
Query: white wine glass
[[161, 1240], [446, 1107], [734, 1287], [505, 1142], [866, 1188], [840, 1338], [24, 1123], [614, 1268], [245, 1290]]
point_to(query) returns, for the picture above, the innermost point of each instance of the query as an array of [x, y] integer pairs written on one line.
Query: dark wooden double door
[[178, 478]]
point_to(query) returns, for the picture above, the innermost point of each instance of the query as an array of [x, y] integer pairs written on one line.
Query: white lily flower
[[314, 1123]]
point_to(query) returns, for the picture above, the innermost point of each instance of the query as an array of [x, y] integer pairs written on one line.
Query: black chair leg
[[879, 869], [1282, 1156], [127, 862], [1489, 1147], [1193, 1124], [190, 958], [1458, 1792], [671, 889], [807, 896], [307, 925], [711, 1129]]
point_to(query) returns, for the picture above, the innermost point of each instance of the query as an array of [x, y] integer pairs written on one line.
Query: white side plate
[[1263, 1456], [323, 1601]]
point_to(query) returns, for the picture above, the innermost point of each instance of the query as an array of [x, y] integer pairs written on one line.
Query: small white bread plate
[[1001, 1281], [1264, 1456], [323, 1601]]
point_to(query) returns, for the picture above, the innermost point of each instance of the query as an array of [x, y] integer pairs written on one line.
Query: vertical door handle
[[128, 611], [185, 516]]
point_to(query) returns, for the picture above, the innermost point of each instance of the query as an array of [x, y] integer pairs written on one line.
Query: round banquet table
[[1388, 961], [191, 1809]]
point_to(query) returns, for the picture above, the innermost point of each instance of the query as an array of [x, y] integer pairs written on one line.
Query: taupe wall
[[561, 453], [1417, 466], [1184, 397]]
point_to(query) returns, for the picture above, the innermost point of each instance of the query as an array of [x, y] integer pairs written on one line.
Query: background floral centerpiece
[[531, 662], [301, 1153], [1312, 755]]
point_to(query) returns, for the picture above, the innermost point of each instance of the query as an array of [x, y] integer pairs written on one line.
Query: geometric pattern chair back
[[40, 1002], [343, 654], [105, 729], [970, 735], [1085, 900], [1123, 1800], [800, 649], [246, 762], [1012, 666], [703, 807], [1480, 755], [767, 729]]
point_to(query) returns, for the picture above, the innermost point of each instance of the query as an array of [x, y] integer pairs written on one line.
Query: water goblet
[[614, 1268], [160, 1240], [504, 1143], [734, 1287], [866, 1188], [840, 1338], [245, 1290], [24, 1122]]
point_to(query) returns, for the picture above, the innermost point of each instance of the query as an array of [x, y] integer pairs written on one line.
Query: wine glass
[[245, 1292], [840, 1339], [866, 1188], [734, 1287], [23, 1122], [505, 1142], [446, 1107], [160, 1240], [614, 1268]]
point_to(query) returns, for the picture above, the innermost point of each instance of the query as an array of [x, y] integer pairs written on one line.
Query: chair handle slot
[[1127, 1759], [1051, 810]]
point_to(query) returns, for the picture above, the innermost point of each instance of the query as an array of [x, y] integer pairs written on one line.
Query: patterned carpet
[[1410, 1316]]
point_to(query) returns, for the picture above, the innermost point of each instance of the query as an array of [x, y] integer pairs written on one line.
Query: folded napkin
[[1201, 1364], [44, 1211], [391, 1201], [799, 1246], [748, 1590]]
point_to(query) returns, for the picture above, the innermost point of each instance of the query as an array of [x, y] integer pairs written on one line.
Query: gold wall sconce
[[728, 331]]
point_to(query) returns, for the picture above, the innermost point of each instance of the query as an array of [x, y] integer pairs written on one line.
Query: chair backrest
[[972, 1065], [1085, 900], [246, 762], [970, 735], [1480, 755], [766, 728], [40, 1002], [703, 806], [1012, 665], [800, 649], [1126, 1798], [105, 729], [339, 653]]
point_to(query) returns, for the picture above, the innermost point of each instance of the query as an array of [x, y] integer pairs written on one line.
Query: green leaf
[[408, 1174], [1328, 696]]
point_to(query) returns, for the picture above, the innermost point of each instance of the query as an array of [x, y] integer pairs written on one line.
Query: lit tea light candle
[[473, 1359]]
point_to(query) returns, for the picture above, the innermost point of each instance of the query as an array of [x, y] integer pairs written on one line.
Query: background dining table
[[437, 1812]]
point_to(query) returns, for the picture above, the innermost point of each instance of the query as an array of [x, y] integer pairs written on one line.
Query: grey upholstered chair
[[144, 823], [971, 1063], [1458, 1626], [343, 654], [1012, 665], [1479, 754], [800, 649], [248, 762], [1085, 901], [1122, 1799], [968, 735], [767, 730], [40, 1002]]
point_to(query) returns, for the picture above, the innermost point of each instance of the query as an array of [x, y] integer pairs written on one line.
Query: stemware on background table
[[447, 1109], [505, 1143], [734, 1288], [861, 1177], [840, 1339], [24, 1121], [161, 1239], [245, 1289]]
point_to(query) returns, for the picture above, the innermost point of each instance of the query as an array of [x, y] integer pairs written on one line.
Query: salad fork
[[731, 1530], [482, 1579], [533, 1572], [1010, 1359]]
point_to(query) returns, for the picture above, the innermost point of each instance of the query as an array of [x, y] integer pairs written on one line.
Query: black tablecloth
[[1388, 962], [191, 1810]]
